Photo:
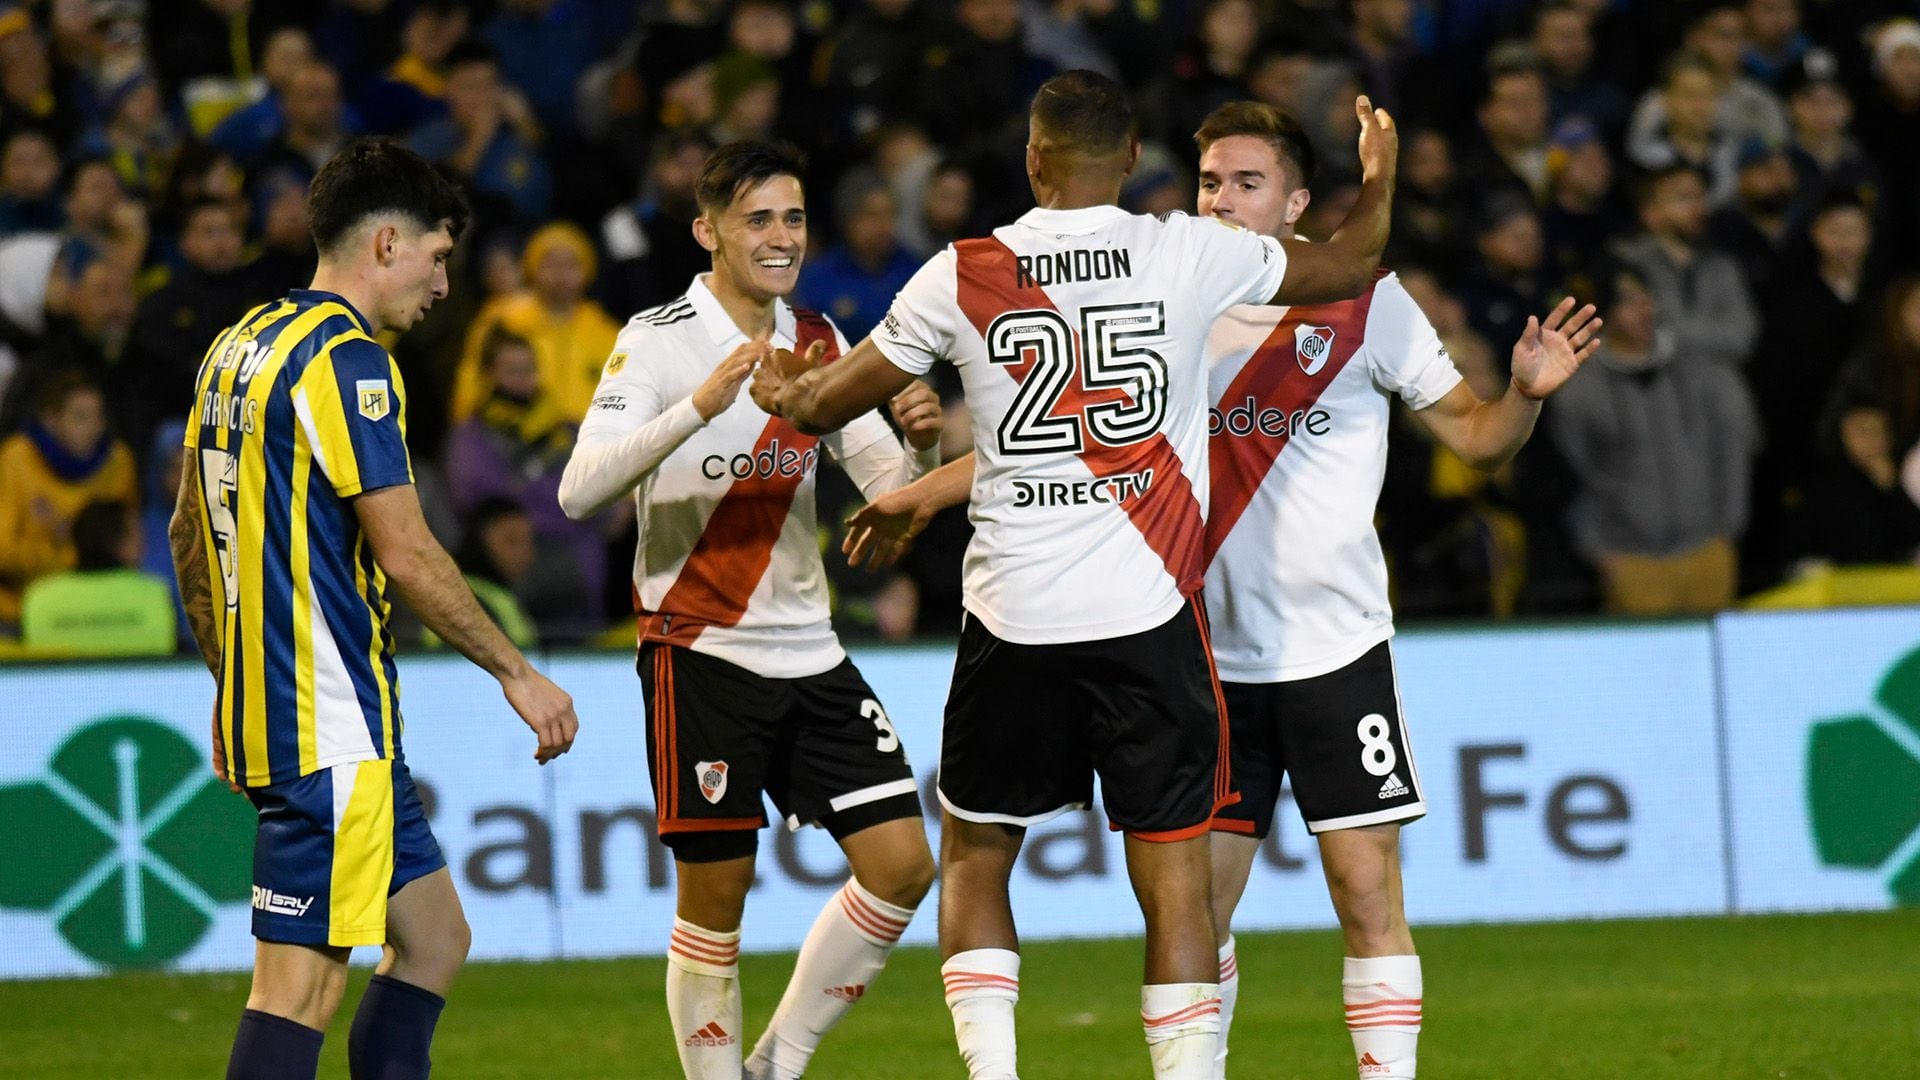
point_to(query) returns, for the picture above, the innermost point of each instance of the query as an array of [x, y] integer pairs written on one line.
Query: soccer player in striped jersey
[[747, 689], [296, 511]]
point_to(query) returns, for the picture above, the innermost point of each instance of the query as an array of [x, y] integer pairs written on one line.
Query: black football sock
[[269, 1047], [393, 1031]]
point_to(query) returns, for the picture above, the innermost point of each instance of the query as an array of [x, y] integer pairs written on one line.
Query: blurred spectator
[[496, 556], [1814, 312], [1741, 109], [1775, 42], [978, 83], [1661, 443], [1889, 116], [746, 98], [650, 250], [360, 37], [1826, 156], [1858, 508], [88, 340], [1061, 33], [1582, 214], [855, 281], [571, 335], [1702, 294], [221, 38], [106, 605], [1506, 286], [137, 137], [1383, 53], [943, 214], [1688, 132], [248, 130], [27, 95], [1761, 229], [102, 220], [1426, 225], [488, 135], [514, 448], [63, 459], [1563, 40], [1210, 73], [176, 323], [29, 183], [1158, 184], [1511, 145], [160, 483], [768, 31], [543, 47], [286, 258], [413, 90], [315, 127], [871, 66]]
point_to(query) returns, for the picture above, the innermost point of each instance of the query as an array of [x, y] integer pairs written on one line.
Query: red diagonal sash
[[1274, 380], [1167, 514], [735, 549]]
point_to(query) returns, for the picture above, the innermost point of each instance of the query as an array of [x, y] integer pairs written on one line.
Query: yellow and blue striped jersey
[[297, 411]]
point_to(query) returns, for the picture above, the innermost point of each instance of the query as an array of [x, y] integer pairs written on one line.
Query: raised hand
[[777, 369], [1549, 352], [917, 410], [718, 393], [1379, 141], [883, 530]]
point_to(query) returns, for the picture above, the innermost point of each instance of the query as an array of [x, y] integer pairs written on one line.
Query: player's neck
[[348, 286], [752, 315]]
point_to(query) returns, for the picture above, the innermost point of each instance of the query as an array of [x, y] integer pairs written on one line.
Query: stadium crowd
[[1737, 184]]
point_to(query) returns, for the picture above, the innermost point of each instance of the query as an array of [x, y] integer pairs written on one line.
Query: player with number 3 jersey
[[1078, 334], [747, 690]]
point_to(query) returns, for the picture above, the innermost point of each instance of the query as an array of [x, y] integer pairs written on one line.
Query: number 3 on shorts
[[889, 741], [1376, 752]]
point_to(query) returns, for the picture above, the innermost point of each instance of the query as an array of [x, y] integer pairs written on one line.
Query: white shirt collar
[[1084, 220], [720, 325]]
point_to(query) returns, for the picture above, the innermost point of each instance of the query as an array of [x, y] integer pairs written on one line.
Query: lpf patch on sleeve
[[373, 398]]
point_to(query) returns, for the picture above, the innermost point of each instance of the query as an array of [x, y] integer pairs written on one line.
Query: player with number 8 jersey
[[1078, 333]]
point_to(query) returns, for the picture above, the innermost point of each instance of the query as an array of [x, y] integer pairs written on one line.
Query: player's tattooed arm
[[191, 569], [1486, 434], [1343, 266], [430, 583], [818, 399], [883, 530]]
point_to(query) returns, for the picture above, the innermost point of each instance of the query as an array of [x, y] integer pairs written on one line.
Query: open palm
[[1549, 352]]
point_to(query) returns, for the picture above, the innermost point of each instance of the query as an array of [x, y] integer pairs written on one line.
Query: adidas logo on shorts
[[1393, 788], [1370, 1064], [711, 1035]]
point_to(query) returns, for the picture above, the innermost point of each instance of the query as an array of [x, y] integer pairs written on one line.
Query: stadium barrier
[[1759, 761]]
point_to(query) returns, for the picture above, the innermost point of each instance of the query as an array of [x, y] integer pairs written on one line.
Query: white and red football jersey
[[1297, 585], [729, 556], [1079, 336]]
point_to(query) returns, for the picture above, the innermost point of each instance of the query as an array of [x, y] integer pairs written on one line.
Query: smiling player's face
[[761, 239]]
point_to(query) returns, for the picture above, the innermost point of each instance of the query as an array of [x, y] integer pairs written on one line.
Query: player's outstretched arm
[[622, 441], [191, 570], [1344, 266], [1486, 434], [882, 531], [431, 585], [818, 399]]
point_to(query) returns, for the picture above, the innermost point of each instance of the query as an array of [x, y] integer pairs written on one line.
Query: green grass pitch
[[1775, 997]]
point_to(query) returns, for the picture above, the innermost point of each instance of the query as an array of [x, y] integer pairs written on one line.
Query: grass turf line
[[1797, 997]]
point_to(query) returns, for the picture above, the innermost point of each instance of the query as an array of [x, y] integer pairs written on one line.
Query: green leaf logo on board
[[127, 843], [1863, 784]]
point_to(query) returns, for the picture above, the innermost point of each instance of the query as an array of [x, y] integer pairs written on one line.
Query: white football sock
[[1383, 1014], [844, 952], [982, 987], [703, 1000], [1182, 1022], [1229, 993]]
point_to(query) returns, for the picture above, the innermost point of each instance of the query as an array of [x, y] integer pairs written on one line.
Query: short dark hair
[[743, 166], [471, 51], [76, 167], [197, 205], [1084, 111], [379, 176], [1649, 184], [1276, 127], [98, 531], [59, 388]]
